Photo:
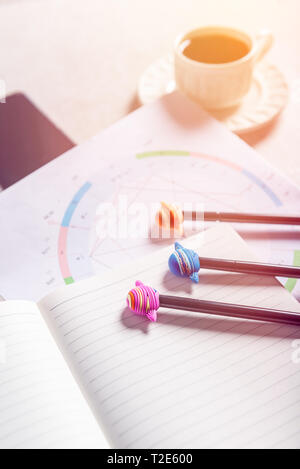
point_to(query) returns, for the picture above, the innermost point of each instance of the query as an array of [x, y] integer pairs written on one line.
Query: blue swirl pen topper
[[185, 263]]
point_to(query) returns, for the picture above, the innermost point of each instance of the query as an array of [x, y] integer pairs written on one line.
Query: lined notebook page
[[40, 403], [188, 380]]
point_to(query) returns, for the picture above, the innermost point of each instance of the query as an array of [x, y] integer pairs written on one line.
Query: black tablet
[[28, 139]]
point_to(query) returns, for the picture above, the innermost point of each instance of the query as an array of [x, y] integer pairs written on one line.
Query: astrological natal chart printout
[[55, 228]]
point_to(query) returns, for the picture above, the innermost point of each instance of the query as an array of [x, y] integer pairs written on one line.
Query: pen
[[171, 216], [146, 301], [186, 263], [236, 217]]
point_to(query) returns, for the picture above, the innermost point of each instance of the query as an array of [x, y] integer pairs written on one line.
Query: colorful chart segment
[[216, 159], [63, 234], [291, 282]]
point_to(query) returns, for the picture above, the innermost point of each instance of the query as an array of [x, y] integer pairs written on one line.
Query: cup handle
[[264, 42]]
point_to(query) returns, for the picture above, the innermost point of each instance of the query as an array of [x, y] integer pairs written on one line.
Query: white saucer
[[265, 99]]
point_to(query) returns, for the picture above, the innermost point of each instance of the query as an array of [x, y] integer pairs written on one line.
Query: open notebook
[[186, 381]]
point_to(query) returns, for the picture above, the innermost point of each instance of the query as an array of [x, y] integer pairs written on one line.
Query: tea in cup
[[214, 64]]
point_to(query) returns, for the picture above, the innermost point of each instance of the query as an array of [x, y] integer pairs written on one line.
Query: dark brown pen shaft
[[243, 217], [229, 310], [256, 268]]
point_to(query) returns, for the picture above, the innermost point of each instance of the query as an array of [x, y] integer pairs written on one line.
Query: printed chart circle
[[175, 176]]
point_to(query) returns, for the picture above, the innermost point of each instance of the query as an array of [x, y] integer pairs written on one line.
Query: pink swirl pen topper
[[146, 301], [171, 217]]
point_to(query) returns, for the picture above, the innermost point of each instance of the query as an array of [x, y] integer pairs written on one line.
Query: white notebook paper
[[187, 381]]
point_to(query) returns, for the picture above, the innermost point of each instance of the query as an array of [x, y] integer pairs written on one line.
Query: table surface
[[80, 61]]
